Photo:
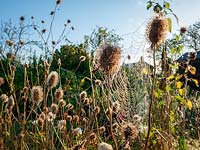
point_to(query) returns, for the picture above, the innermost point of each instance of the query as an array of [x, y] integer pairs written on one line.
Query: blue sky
[[125, 16]]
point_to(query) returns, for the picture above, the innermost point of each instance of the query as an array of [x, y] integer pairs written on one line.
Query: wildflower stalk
[[152, 99], [109, 110]]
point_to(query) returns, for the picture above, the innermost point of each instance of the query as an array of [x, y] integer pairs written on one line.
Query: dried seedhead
[[104, 146], [129, 131], [156, 31], [59, 93], [52, 79], [107, 58], [37, 94]]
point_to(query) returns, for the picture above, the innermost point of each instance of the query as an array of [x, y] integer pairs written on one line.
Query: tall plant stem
[[110, 111], [152, 99]]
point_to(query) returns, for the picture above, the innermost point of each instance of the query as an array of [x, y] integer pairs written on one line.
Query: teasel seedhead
[[76, 118], [53, 79], [62, 124], [1, 81], [59, 93], [54, 108], [4, 98], [107, 58], [42, 115], [69, 106], [129, 131], [116, 106], [82, 58], [50, 116], [83, 95], [156, 31], [11, 103], [37, 94], [98, 82], [62, 103]]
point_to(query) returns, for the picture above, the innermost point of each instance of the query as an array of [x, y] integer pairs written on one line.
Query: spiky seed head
[[116, 106], [11, 103], [9, 42], [22, 18], [69, 106], [69, 118], [97, 110], [62, 103], [107, 58], [59, 62], [59, 93], [104, 146], [52, 79], [45, 110], [86, 101], [9, 55], [62, 124], [83, 95], [25, 90], [156, 31], [42, 115], [82, 58], [76, 118], [92, 136], [102, 129], [1, 81], [58, 2], [54, 108], [4, 98], [183, 30], [21, 42], [50, 116], [40, 122], [98, 82], [37, 94], [129, 131], [85, 121]]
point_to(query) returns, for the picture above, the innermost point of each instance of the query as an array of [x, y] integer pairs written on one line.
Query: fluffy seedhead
[[156, 31], [107, 58], [37, 94]]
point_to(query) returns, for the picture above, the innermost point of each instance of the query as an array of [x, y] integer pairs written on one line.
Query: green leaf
[[167, 5], [179, 49], [149, 4], [168, 88], [179, 98], [177, 37], [170, 24], [172, 50]]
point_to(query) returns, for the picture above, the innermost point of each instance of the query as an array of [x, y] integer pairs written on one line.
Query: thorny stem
[[152, 99]]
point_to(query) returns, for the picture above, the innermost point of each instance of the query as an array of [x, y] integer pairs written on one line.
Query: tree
[[192, 38]]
